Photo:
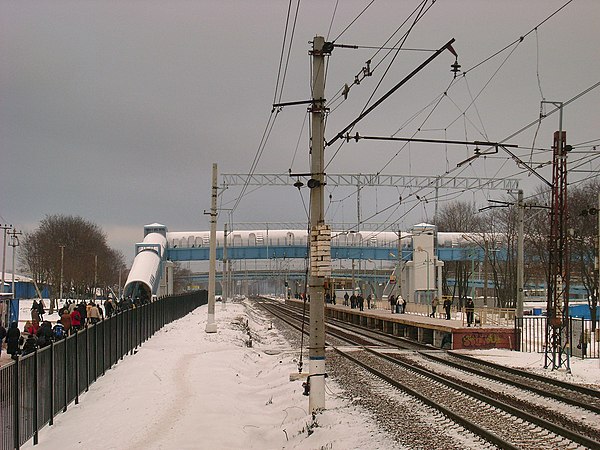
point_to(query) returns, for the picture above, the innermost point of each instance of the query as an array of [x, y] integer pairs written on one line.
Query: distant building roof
[[8, 277]]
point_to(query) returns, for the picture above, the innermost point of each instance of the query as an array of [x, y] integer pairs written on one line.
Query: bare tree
[[458, 217], [181, 278], [583, 218], [87, 257]]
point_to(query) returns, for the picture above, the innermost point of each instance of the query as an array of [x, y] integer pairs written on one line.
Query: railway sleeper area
[[451, 400]]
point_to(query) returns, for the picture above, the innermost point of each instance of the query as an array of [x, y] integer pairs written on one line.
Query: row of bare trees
[[496, 231], [77, 246]]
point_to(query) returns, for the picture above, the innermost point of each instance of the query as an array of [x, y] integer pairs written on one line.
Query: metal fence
[[36, 387], [584, 342]]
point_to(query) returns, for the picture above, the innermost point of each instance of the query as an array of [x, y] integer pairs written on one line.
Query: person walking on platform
[[402, 304], [369, 301], [434, 304], [352, 301], [447, 305], [393, 303], [346, 297], [470, 311], [361, 302]]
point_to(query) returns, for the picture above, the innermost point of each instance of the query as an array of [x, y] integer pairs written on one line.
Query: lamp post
[[120, 273], [62, 260], [95, 276]]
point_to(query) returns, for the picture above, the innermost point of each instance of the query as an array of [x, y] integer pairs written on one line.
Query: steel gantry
[[361, 180]]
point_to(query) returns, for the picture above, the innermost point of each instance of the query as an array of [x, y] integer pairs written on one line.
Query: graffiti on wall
[[484, 339]]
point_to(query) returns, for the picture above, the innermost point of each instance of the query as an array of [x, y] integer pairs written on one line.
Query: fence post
[[110, 338], [35, 397], [96, 356], [17, 440], [122, 334], [66, 377], [87, 359], [52, 380], [76, 368], [104, 346]]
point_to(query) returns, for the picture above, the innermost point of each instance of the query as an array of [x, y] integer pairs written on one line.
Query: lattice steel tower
[[557, 329]]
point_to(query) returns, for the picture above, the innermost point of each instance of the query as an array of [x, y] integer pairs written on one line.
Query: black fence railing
[[584, 342], [36, 387]]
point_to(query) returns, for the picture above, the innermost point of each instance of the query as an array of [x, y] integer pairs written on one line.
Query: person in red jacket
[[75, 321], [65, 319]]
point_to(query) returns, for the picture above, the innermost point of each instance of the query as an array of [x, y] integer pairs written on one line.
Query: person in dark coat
[[470, 311], [352, 301], [45, 334], [447, 305], [393, 303], [31, 344], [82, 312], [12, 339], [361, 302], [108, 307], [41, 310]]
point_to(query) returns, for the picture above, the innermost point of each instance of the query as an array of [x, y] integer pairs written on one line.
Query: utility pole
[[7, 303], [520, 255], [5, 228], [14, 243], [211, 325], [320, 234]]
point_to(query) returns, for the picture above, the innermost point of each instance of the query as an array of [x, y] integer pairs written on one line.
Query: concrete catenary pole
[[7, 303], [211, 325], [320, 253], [520, 255], [5, 228], [14, 243]]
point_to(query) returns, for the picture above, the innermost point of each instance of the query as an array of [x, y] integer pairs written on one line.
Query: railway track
[[506, 415]]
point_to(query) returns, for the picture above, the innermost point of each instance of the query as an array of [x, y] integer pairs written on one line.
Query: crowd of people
[[73, 316]]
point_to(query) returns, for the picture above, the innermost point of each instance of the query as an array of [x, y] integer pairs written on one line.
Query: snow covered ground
[[186, 389]]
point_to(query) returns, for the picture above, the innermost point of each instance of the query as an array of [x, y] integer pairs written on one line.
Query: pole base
[[211, 327]]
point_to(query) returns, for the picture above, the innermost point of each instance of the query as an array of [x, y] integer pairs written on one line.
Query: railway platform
[[450, 334]]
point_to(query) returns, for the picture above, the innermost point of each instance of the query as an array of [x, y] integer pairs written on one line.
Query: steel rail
[[474, 428], [515, 383], [557, 429], [541, 378]]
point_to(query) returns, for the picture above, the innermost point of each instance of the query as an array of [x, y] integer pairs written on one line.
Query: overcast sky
[[115, 110]]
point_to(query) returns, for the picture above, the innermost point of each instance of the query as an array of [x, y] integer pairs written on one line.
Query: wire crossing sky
[[116, 111]]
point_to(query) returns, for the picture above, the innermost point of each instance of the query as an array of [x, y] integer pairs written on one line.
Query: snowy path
[[185, 389]]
